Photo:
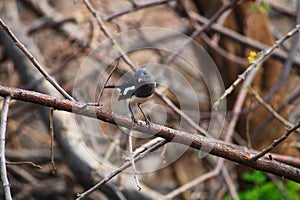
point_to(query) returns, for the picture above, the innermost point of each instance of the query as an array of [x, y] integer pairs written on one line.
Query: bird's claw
[[148, 122], [134, 120]]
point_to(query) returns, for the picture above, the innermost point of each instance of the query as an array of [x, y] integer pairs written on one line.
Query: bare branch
[[122, 168], [24, 163], [276, 142], [107, 33], [51, 129], [133, 162], [34, 61], [270, 109], [278, 53], [196, 181], [3, 122], [107, 79], [257, 63], [227, 6], [218, 148]]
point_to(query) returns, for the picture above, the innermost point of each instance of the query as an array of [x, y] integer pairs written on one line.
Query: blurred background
[[67, 40]]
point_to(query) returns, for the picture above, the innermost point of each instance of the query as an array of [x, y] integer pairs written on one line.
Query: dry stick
[[213, 44], [24, 163], [280, 54], [136, 7], [222, 52], [107, 79], [147, 145], [132, 162], [288, 62], [276, 142], [218, 148], [181, 113], [122, 168], [294, 96], [256, 64], [3, 122], [52, 140], [230, 183], [196, 181], [270, 109], [35, 62], [107, 33], [227, 6]]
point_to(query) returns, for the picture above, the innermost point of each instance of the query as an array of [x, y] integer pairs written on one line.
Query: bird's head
[[143, 76]]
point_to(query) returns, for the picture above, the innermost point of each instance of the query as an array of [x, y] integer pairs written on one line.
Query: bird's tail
[[111, 86]]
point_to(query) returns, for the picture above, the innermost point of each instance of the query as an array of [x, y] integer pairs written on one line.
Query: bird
[[137, 90]]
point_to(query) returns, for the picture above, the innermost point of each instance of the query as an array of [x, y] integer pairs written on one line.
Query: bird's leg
[[146, 119], [132, 115]]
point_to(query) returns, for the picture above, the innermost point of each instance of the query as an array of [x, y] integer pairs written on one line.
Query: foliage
[[260, 7], [259, 187]]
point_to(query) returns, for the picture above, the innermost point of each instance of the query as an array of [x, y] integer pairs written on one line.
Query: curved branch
[[218, 148]]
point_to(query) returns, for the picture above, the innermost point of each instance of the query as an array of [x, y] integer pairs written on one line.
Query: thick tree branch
[[218, 148]]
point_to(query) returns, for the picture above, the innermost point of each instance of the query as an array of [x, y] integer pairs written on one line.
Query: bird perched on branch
[[137, 90]]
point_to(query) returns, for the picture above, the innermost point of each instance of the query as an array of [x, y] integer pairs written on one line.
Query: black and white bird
[[137, 90]]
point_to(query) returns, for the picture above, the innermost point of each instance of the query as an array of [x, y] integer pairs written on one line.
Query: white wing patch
[[128, 89]]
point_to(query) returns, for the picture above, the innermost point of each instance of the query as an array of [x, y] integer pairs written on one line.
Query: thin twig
[[217, 14], [3, 124], [181, 113], [107, 33], [238, 105], [230, 184], [146, 146], [52, 141], [288, 61], [24, 163], [107, 79], [136, 8], [222, 52], [269, 108], [257, 63], [276, 142], [193, 16], [34, 61], [196, 181], [122, 168], [294, 96], [132, 162], [280, 54]]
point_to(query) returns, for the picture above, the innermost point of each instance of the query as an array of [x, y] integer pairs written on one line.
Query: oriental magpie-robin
[[137, 90]]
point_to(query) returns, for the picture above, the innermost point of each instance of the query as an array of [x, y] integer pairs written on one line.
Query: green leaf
[[256, 177]]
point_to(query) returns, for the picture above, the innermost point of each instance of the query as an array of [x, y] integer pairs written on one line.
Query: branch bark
[[218, 148]]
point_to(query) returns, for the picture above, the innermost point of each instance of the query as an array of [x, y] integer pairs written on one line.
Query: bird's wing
[[127, 89]]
